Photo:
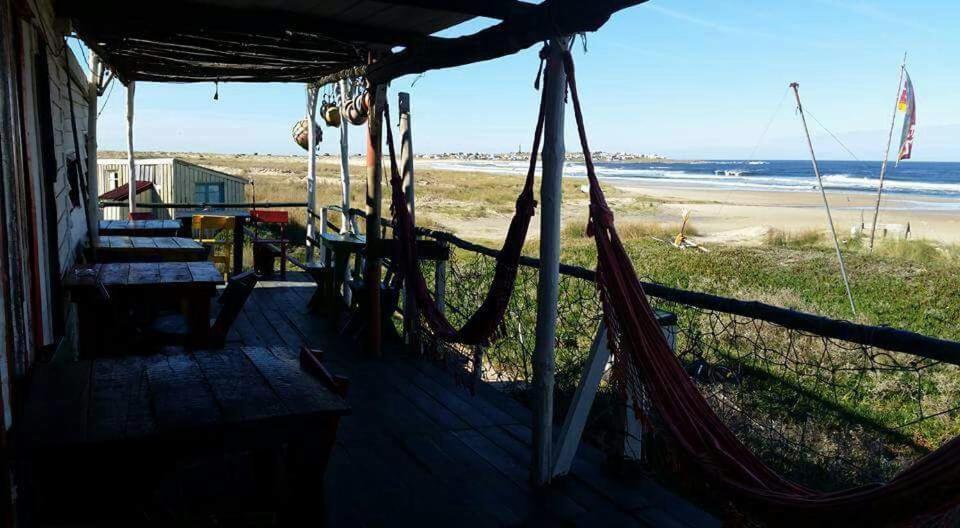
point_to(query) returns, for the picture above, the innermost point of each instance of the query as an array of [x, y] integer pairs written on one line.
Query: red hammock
[[480, 328], [644, 361]]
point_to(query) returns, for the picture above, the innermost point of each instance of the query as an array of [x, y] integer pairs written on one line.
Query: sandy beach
[[737, 216]]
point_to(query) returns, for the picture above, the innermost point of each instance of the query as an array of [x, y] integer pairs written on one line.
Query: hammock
[[481, 326], [644, 362]]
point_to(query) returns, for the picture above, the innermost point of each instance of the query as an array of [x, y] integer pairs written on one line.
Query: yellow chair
[[216, 232]]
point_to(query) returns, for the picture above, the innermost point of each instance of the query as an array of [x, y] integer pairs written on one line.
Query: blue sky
[[682, 78]]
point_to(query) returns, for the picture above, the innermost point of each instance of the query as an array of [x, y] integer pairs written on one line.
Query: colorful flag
[[908, 105]]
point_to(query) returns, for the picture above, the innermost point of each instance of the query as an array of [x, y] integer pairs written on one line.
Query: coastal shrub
[[633, 230], [805, 238], [917, 251]]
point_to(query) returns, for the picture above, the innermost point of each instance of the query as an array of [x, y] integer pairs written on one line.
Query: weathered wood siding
[[36, 144], [175, 181]]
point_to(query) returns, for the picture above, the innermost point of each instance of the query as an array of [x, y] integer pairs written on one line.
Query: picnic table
[[143, 228], [191, 284], [101, 436], [341, 247], [149, 249]]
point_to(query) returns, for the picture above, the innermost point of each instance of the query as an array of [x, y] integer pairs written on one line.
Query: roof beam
[[552, 18], [498, 9], [183, 17]]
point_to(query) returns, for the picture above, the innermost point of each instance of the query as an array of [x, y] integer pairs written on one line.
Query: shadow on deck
[[419, 450]]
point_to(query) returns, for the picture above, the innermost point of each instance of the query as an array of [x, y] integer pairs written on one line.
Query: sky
[[687, 79]]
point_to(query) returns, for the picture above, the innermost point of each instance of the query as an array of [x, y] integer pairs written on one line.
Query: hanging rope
[[645, 366], [482, 325]]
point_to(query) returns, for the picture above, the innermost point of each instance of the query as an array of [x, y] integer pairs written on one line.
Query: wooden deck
[[418, 450]]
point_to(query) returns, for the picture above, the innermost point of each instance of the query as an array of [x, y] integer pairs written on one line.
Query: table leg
[[238, 236], [197, 311]]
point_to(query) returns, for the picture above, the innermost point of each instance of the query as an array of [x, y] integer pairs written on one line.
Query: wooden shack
[[174, 180]]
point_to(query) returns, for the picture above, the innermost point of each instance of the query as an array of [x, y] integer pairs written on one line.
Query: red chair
[[270, 248], [141, 216]]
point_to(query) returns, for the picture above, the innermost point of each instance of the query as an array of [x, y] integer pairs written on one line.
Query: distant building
[[171, 180]]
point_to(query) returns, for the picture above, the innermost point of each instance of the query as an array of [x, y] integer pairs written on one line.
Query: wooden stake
[[886, 152], [311, 167], [374, 193], [823, 192], [549, 279], [131, 161], [93, 183], [344, 162]]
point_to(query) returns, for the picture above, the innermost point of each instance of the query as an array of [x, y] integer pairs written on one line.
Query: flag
[[908, 105]]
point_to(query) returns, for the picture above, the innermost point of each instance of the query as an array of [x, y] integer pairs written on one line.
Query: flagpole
[[886, 153], [823, 192]]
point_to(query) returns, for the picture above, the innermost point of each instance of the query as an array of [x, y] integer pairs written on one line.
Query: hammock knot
[[526, 206], [601, 217]]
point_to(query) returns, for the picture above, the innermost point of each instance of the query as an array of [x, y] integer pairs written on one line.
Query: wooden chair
[[174, 330], [264, 250], [140, 216], [207, 230]]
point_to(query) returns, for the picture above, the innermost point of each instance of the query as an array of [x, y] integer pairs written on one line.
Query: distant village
[[523, 156]]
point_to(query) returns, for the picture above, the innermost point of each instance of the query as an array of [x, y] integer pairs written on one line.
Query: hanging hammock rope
[[482, 325], [645, 365]]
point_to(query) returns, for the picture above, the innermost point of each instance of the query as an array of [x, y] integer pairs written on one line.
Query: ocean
[[938, 179]]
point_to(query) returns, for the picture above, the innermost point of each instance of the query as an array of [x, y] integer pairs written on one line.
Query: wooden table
[[142, 228], [149, 249], [190, 283], [341, 247], [101, 435]]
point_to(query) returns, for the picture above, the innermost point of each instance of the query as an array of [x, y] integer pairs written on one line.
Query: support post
[[131, 161], [378, 93], [549, 276], [406, 160], [93, 183], [886, 153], [311, 167], [344, 162]]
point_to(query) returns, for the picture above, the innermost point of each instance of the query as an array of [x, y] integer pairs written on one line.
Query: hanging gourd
[[356, 109], [301, 133]]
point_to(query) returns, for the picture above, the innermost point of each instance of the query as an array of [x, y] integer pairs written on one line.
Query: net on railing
[[826, 412]]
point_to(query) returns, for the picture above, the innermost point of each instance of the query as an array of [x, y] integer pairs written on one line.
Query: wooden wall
[[42, 230]]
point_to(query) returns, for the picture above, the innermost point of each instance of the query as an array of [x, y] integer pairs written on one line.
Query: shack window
[[209, 193], [114, 179]]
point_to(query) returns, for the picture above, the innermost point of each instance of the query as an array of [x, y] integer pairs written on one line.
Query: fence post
[[323, 231], [554, 155]]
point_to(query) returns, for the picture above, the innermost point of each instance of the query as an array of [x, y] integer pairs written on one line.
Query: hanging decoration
[[301, 134]]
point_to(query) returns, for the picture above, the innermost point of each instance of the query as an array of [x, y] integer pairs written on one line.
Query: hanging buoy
[[301, 134], [331, 114]]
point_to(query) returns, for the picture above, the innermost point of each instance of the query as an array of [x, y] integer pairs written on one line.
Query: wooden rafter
[[498, 9], [550, 19]]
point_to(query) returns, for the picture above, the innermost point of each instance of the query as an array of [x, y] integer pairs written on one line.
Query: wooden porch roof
[[304, 40]]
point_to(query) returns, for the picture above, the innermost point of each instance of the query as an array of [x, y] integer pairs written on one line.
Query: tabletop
[[134, 242], [139, 227], [337, 240], [149, 249], [144, 274], [140, 397]]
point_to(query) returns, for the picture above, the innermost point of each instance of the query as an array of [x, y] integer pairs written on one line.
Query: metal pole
[[131, 161], [311, 167], [886, 153], [344, 162], [378, 94], [93, 176], [823, 192], [549, 278]]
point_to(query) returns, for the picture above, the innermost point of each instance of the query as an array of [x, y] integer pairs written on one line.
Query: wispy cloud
[[870, 10], [708, 24]]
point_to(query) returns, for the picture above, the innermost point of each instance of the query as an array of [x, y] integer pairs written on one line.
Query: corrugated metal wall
[[175, 182]]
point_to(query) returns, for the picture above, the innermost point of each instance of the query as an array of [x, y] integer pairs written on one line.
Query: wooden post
[[549, 277], [131, 161], [344, 162], [311, 167], [93, 184], [406, 161], [378, 94]]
